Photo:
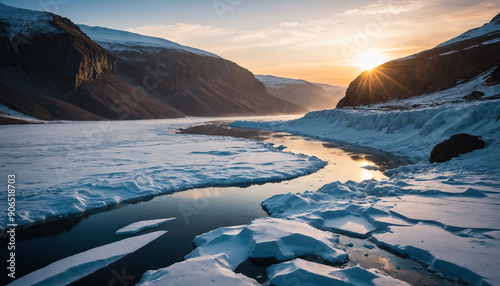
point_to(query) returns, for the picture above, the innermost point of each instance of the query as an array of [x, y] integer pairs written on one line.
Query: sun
[[369, 59]]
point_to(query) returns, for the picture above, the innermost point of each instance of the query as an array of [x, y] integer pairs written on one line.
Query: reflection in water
[[196, 194]]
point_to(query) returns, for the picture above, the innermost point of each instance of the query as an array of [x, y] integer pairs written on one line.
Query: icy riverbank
[[69, 168], [444, 215]]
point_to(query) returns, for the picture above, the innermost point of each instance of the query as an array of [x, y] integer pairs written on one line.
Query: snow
[[142, 225], [448, 53], [444, 215], [204, 270], [474, 259], [268, 238], [492, 27], [277, 82], [78, 266], [69, 168], [6, 112], [302, 272], [25, 22], [116, 40]]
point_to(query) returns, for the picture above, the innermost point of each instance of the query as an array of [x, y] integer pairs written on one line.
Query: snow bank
[[269, 238], [78, 266], [410, 133], [205, 270], [116, 40], [70, 168], [142, 225], [302, 272]]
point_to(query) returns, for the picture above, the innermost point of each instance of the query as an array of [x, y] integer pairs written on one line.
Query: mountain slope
[[453, 62], [47, 65], [195, 82], [51, 70], [311, 96]]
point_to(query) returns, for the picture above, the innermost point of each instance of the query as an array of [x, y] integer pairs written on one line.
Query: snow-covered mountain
[[195, 82], [311, 96], [116, 40], [449, 64], [50, 69]]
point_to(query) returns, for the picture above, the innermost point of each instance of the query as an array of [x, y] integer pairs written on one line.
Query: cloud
[[179, 32], [387, 6]]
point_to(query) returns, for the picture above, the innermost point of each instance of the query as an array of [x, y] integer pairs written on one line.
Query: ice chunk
[[205, 270], [269, 238], [141, 225], [472, 259], [75, 267], [302, 272]]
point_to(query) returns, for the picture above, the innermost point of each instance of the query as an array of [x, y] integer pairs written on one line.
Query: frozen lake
[[129, 149]]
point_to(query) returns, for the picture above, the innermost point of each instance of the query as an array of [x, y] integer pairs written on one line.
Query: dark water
[[201, 210]]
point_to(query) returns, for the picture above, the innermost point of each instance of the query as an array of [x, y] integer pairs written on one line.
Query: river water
[[201, 210]]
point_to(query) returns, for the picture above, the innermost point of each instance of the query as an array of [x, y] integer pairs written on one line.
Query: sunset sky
[[318, 40]]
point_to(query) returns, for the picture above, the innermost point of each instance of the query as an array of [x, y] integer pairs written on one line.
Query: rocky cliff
[[453, 62]]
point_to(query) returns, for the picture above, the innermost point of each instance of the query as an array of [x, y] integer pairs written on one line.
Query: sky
[[320, 41]]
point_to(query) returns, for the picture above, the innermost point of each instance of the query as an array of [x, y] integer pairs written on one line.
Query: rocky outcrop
[[454, 146], [456, 61]]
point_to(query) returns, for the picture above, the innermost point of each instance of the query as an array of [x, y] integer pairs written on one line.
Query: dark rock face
[[494, 77], [426, 72], [475, 95], [199, 85], [456, 145]]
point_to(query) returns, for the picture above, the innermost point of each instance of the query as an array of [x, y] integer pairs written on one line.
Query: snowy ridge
[[489, 28], [116, 40], [277, 82], [26, 22]]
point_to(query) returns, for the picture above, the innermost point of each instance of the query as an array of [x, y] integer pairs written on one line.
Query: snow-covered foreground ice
[[302, 272], [70, 168], [205, 270], [269, 238], [142, 225], [444, 215], [78, 266]]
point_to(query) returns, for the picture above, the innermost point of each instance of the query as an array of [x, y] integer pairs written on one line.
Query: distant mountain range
[[312, 96], [453, 62], [51, 69]]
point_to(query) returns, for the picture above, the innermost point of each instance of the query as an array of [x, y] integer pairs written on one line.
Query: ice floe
[[269, 238], [204, 270], [78, 266], [302, 272], [142, 225]]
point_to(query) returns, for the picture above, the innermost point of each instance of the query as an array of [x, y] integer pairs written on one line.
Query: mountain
[[192, 81], [454, 62], [312, 96], [50, 69]]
